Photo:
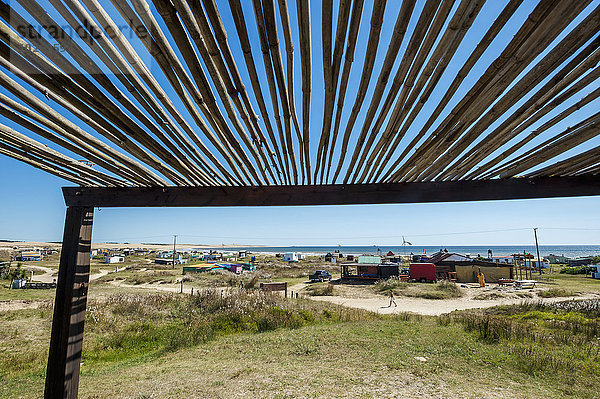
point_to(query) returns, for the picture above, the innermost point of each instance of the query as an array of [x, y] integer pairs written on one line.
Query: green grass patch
[[130, 326], [252, 344], [7, 294]]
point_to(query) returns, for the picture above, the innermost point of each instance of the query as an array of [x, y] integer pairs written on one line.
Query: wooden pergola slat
[[186, 133]]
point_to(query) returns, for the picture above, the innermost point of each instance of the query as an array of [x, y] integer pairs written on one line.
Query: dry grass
[[321, 289], [556, 292], [333, 352]]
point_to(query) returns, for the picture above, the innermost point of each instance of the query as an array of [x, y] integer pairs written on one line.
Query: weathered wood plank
[[62, 375], [337, 194]]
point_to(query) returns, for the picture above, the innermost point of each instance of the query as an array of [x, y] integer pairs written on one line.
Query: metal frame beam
[[380, 193]]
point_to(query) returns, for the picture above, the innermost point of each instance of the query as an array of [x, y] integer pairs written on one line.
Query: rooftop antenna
[[404, 243], [537, 248]]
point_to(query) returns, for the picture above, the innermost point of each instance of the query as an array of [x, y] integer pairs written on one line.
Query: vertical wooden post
[[62, 375], [537, 248]]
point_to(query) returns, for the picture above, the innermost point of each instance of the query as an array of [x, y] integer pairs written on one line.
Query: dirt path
[[433, 307], [51, 275], [48, 276], [101, 273], [152, 287]]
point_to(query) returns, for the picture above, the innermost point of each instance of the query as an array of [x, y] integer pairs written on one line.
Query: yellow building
[[468, 273]]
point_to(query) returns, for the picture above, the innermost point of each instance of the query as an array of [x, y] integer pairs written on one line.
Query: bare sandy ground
[[360, 297], [434, 307], [431, 307], [19, 304]]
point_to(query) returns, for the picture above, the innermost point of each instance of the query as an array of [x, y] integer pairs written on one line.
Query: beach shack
[[583, 261], [290, 257], [466, 268], [180, 260], [235, 268], [18, 283], [114, 259], [369, 259], [535, 265], [467, 273], [502, 259], [30, 256], [212, 256], [369, 271], [557, 259]]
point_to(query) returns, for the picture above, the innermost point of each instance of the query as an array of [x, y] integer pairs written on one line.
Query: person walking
[[392, 300]]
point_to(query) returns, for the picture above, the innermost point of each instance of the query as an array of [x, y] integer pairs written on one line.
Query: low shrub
[[450, 288], [252, 283], [320, 289], [129, 325], [17, 273], [393, 283], [555, 292], [575, 270], [441, 290], [486, 296]]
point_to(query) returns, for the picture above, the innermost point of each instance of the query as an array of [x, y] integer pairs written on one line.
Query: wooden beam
[[337, 194], [62, 375]]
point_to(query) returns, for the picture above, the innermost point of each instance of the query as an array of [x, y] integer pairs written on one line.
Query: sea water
[[571, 251]]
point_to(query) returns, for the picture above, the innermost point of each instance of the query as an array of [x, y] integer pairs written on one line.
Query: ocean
[[572, 251]]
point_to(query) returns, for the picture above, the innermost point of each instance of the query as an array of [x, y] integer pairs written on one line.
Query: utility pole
[[537, 248], [174, 248], [524, 265]]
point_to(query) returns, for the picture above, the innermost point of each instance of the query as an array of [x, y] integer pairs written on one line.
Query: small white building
[[290, 257], [19, 283], [502, 259], [114, 259], [533, 263], [212, 256]]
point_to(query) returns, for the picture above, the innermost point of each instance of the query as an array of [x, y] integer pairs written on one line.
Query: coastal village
[[148, 299], [518, 271]]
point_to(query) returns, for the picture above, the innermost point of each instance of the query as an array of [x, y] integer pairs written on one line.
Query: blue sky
[[33, 209], [31, 206]]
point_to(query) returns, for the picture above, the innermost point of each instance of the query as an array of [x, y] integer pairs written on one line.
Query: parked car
[[320, 275]]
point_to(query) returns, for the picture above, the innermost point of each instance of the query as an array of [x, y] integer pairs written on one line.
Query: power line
[[335, 237]]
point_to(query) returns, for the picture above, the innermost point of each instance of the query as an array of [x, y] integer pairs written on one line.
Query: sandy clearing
[[432, 307], [49, 274], [96, 276], [152, 287], [19, 304]]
